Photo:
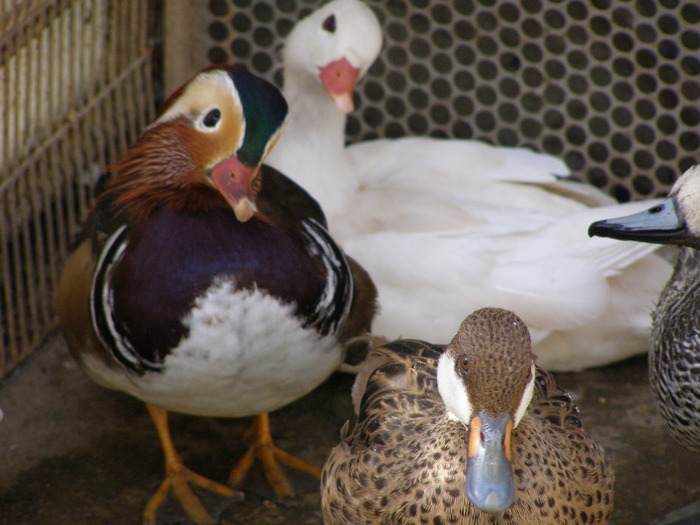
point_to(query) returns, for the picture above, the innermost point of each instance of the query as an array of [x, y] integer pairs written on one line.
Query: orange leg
[[177, 477], [268, 454]]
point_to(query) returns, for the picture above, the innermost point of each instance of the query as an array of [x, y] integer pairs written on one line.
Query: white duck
[[445, 227]]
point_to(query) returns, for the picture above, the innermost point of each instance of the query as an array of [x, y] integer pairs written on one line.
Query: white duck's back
[[448, 226], [586, 303]]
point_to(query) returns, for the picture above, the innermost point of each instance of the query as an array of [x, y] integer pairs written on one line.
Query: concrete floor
[[74, 453]]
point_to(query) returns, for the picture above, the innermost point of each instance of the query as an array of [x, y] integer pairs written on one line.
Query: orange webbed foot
[[270, 457], [178, 479]]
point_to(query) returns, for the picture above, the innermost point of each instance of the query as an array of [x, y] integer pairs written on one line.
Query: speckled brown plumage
[[405, 461]]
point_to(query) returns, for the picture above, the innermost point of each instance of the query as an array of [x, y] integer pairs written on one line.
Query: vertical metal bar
[[94, 50], [12, 244], [4, 133], [7, 331], [130, 86], [99, 122], [52, 218], [17, 103], [33, 256], [96, 123], [74, 177], [32, 106], [146, 74], [17, 279], [5, 130], [41, 207], [123, 138], [58, 159]]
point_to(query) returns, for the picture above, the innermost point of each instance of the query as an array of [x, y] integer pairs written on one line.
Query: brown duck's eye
[[464, 363], [329, 24], [212, 118]]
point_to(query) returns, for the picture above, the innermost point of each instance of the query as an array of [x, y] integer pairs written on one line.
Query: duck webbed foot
[[261, 447], [178, 479]]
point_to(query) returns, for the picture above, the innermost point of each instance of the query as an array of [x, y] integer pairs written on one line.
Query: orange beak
[[339, 78], [234, 180]]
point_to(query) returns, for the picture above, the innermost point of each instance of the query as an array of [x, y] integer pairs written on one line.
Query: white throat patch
[[452, 390], [527, 397]]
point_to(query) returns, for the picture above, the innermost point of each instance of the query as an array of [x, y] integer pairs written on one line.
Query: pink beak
[[235, 182], [339, 78]]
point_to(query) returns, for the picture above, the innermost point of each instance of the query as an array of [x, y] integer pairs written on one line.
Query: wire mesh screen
[[75, 89], [611, 87]]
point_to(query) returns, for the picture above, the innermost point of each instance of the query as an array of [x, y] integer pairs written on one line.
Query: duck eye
[[212, 118], [329, 24], [464, 363]]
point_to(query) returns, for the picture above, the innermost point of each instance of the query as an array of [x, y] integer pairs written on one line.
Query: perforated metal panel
[[75, 88], [612, 87]]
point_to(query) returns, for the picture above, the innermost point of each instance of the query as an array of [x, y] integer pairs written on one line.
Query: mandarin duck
[[448, 226], [471, 432], [207, 283]]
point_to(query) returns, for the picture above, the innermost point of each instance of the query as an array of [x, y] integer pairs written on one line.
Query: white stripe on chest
[[246, 354]]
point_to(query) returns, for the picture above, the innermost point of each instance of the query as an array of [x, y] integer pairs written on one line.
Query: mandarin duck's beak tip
[[244, 209], [234, 180]]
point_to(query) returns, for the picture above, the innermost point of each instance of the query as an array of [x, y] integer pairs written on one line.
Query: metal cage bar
[[75, 87], [611, 87]]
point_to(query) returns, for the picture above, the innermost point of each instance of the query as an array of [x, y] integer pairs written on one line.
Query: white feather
[[448, 226], [266, 360], [527, 397], [452, 390]]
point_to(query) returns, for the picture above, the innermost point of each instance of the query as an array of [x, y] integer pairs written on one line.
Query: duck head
[[335, 45], [486, 378], [675, 220], [206, 148]]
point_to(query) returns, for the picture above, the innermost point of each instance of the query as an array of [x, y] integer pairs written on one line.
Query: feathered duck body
[[220, 311], [674, 349], [674, 362], [448, 226], [206, 283], [201, 312], [408, 458]]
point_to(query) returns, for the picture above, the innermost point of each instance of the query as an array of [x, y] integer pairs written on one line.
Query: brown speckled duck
[[472, 432]]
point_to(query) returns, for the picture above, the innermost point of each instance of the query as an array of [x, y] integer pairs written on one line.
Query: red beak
[[235, 182], [339, 79]]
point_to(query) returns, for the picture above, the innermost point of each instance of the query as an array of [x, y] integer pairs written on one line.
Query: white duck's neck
[[311, 151]]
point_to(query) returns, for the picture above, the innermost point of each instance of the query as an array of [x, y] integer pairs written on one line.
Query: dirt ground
[[74, 453]]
